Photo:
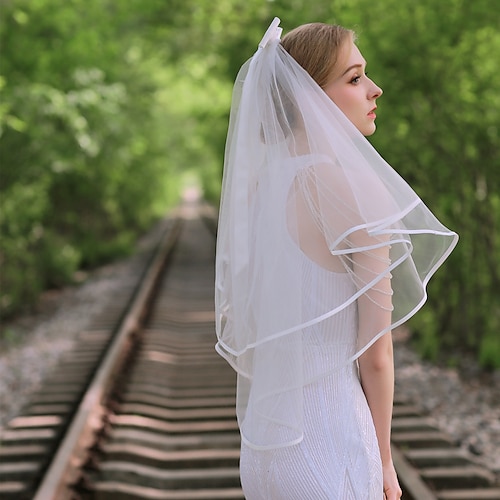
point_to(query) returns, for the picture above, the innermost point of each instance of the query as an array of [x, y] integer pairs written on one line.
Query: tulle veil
[[293, 159]]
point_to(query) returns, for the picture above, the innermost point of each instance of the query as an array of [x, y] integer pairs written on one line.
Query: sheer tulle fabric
[[301, 181]]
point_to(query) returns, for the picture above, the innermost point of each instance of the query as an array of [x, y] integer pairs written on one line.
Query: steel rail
[[73, 451]]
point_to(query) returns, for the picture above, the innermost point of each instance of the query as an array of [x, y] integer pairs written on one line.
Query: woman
[[322, 249]]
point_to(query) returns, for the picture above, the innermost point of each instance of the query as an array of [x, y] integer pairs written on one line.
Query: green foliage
[[21, 210], [105, 106], [84, 166]]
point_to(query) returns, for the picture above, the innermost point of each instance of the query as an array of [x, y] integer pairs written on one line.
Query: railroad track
[[143, 407]]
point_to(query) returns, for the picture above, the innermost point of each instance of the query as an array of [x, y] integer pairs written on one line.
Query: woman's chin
[[368, 130]]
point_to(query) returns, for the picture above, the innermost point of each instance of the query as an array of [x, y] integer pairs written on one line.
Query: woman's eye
[[356, 79]]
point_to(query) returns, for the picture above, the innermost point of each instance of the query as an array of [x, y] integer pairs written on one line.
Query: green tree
[[105, 104], [84, 165]]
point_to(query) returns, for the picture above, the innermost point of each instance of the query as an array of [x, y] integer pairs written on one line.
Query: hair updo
[[317, 48]]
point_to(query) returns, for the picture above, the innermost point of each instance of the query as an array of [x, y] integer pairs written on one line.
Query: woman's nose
[[375, 91]]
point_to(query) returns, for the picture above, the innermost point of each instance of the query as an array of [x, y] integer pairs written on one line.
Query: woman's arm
[[376, 368], [376, 364]]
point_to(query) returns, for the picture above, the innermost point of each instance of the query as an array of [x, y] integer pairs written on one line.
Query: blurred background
[[109, 108]]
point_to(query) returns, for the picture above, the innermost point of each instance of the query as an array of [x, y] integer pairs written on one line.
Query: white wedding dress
[[339, 458]]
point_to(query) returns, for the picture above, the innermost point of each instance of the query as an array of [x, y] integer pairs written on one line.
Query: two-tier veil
[[292, 159]]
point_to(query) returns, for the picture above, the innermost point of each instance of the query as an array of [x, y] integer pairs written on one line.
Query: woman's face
[[353, 92]]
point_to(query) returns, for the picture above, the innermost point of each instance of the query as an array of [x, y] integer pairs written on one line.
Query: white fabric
[[302, 184], [339, 456]]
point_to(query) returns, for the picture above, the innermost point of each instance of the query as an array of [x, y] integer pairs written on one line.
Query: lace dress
[[339, 458]]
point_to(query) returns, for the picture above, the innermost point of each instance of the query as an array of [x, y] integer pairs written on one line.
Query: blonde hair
[[317, 48]]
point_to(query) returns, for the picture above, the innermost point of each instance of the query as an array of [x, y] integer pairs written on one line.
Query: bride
[[322, 250]]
